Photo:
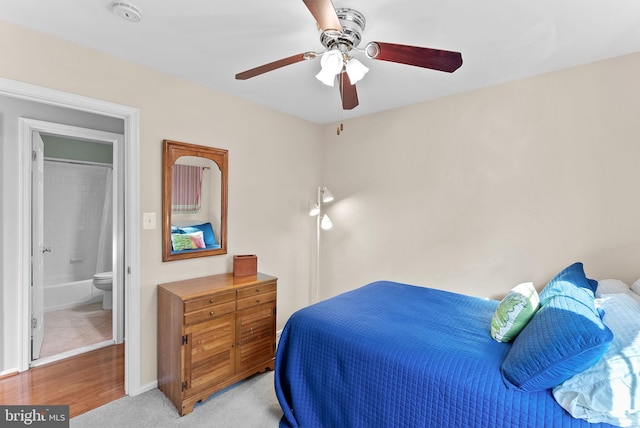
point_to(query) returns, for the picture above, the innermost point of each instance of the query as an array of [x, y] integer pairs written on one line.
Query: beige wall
[[480, 191], [274, 168], [472, 193]]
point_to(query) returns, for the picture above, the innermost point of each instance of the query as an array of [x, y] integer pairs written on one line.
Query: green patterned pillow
[[514, 312], [187, 241]]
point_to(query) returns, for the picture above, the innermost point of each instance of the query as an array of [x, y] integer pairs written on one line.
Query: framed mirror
[[194, 201]]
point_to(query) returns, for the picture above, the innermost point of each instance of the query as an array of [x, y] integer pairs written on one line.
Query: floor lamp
[[322, 222]]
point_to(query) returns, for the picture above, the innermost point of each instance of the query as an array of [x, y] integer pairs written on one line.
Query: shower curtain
[[105, 241]]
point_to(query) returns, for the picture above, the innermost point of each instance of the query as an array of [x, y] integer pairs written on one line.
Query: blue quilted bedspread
[[396, 355]]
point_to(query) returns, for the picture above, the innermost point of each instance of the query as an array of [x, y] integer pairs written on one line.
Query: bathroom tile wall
[[73, 203]]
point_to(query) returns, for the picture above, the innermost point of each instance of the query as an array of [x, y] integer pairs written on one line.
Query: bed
[[397, 355]]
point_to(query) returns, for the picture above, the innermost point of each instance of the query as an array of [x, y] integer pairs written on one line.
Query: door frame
[[131, 118], [29, 127]]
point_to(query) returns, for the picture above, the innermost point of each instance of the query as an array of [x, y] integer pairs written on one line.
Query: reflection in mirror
[[194, 201]]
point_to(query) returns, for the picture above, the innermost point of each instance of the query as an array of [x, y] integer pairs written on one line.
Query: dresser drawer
[[210, 312], [259, 299], [210, 300], [255, 290]]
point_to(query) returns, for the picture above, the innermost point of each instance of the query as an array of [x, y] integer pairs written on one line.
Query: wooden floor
[[83, 382]]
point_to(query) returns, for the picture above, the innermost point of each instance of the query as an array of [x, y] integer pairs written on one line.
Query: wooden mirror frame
[[172, 150]]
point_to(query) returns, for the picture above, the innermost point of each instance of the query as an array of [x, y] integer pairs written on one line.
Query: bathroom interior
[[78, 241]]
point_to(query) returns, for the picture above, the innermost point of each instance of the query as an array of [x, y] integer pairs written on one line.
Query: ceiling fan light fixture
[[326, 77], [356, 70], [341, 33], [331, 63]]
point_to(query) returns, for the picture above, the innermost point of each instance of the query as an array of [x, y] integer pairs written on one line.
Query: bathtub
[[71, 294]]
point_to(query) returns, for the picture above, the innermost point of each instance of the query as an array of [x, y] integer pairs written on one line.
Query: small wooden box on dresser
[[212, 332]]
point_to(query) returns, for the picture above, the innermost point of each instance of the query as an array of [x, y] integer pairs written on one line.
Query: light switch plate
[[149, 220]]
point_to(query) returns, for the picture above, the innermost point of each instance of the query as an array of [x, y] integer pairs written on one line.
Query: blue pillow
[[571, 280], [565, 337], [209, 236]]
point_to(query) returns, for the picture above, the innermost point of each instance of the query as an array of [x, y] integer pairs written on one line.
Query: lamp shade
[[314, 209], [326, 78], [356, 70], [326, 222], [326, 195], [331, 63]]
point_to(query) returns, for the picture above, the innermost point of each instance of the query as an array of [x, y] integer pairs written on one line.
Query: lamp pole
[[318, 220], [322, 222]]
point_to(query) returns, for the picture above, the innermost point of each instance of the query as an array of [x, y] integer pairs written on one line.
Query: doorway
[[77, 229], [20, 260]]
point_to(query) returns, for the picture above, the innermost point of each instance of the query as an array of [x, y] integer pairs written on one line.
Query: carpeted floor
[[250, 403]]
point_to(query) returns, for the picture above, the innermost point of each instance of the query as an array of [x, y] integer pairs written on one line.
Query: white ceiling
[[208, 42]]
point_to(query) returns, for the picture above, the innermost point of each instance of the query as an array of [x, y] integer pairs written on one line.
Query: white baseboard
[[148, 387], [9, 372]]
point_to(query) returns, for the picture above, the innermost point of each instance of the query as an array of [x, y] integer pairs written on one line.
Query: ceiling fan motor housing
[[353, 23]]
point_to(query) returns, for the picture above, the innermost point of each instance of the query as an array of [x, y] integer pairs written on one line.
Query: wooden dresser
[[212, 332]]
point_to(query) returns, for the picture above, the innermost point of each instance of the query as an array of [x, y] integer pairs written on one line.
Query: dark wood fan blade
[[348, 92], [274, 65], [434, 59], [325, 14]]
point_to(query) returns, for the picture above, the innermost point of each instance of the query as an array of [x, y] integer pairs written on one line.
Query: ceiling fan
[[341, 34]]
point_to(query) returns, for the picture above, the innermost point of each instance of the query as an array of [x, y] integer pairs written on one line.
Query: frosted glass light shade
[[356, 70], [326, 77], [331, 63]]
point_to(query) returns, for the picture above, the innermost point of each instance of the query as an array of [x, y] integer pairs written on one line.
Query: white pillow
[[635, 287], [612, 286], [609, 391]]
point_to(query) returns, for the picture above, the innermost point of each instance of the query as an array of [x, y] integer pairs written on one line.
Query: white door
[[37, 246]]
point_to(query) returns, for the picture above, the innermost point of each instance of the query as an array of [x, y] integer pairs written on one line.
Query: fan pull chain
[[341, 126]]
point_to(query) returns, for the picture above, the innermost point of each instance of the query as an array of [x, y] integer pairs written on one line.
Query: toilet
[[104, 281]]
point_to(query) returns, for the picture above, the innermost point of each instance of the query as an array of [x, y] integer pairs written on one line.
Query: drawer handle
[[212, 300], [257, 300], [257, 290], [211, 313]]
